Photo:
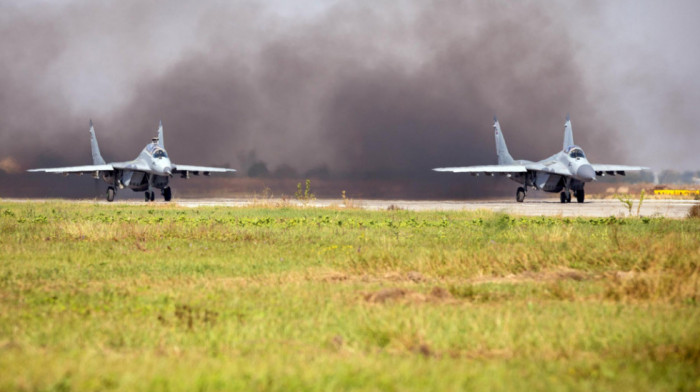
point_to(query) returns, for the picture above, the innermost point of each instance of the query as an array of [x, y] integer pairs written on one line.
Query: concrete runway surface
[[532, 207]]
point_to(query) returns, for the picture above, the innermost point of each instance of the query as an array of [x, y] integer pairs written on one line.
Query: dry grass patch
[[653, 286]]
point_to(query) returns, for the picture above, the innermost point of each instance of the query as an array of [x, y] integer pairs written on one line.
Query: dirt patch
[[436, 294], [10, 345], [440, 293], [334, 277], [415, 276], [539, 276], [423, 349], [384, 295]]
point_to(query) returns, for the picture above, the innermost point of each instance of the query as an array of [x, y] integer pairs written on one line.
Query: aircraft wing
[[75, 169], [484, 169], [204, 169], [616, 169]]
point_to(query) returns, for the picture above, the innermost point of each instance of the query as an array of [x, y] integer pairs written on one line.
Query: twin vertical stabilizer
[[161, 143], [568, 133], [504, 157], [96, 156]]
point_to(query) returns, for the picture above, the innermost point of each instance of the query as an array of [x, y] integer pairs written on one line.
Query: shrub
[[694, 211]]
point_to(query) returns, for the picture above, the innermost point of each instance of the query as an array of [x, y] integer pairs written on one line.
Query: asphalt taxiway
[[531, 207]]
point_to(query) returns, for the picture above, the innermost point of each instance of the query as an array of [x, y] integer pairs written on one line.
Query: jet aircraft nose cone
[[586, 173]]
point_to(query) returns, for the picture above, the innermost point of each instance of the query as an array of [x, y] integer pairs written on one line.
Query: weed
[[347, 202], [627, 202], [641, 200], [304, 195]]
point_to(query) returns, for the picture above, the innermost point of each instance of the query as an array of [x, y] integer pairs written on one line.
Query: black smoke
[[365, 90]]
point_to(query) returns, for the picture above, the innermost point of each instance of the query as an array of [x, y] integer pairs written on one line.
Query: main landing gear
[[167, 193], [565, 197], [110, 194], [580, 195]]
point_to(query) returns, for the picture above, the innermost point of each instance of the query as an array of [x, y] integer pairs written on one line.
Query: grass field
[[156, 297]]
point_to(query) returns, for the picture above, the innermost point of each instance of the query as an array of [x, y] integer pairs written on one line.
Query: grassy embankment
[[162, 298]]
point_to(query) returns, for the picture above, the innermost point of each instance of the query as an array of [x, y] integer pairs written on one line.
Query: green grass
[[155, 297]]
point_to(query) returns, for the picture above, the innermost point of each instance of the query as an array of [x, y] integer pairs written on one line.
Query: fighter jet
[[151, 170], [566, 171]]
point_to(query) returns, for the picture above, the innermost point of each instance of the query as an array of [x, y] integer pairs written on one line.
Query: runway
[[533, 207]]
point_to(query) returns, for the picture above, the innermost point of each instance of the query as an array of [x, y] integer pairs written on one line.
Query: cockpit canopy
[[576, 152], [156, 151]]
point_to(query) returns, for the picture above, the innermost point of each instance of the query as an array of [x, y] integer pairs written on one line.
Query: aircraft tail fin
[[96, 156], [504, 157], [568, 133], [161, 143]]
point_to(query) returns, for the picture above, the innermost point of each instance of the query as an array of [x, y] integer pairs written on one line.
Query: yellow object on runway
[[677, 192]]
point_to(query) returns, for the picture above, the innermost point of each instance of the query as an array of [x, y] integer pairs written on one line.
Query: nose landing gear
[[150, 196], [520, 195]]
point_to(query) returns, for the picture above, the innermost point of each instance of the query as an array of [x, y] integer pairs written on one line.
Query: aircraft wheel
[[152, 196], [520, 195], [562, 197], [110, 194], [167, 194], [580, 196], [568, 197]]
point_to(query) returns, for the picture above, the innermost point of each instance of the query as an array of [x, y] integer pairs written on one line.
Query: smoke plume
[[366, 90]]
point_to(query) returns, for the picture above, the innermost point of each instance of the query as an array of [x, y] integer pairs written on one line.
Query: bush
[[694, 211]]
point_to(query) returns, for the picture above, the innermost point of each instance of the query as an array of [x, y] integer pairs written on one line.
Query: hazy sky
[[359, 86]]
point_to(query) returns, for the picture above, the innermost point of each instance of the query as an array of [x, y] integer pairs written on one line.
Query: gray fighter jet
[[151, 170], [566, 171]]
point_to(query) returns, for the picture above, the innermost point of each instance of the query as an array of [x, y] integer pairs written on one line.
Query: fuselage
[[150, 169], [552, 174]]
